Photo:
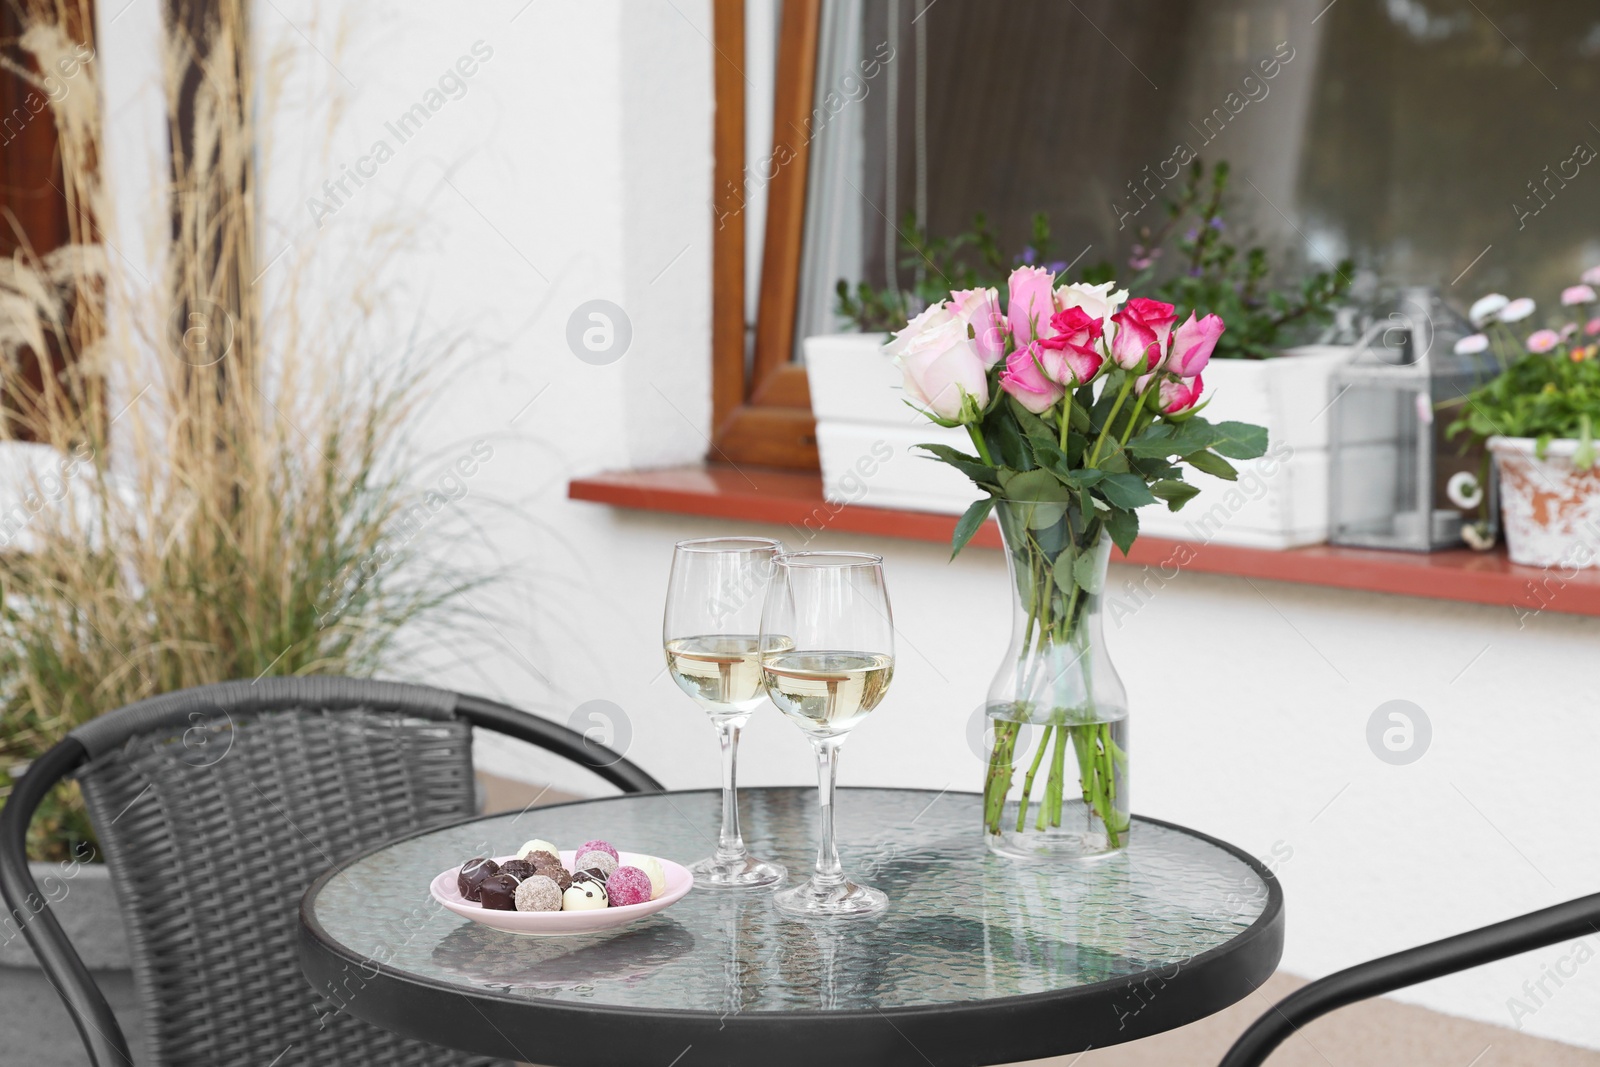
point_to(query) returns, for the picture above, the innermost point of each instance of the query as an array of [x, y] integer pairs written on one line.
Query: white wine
[[826, 693], [721, 671]]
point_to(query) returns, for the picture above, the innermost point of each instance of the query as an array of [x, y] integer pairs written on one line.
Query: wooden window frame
[[761, 408]]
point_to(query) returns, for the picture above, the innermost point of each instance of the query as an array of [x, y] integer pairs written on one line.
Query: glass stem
[[829, 871], [730, 842]]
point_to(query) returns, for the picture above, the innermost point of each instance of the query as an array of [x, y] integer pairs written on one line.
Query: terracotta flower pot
[[1551, 511]]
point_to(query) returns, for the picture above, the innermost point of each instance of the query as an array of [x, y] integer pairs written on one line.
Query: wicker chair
[[215, 807]]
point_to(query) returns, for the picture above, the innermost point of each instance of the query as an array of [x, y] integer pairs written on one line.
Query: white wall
[[580, 160]]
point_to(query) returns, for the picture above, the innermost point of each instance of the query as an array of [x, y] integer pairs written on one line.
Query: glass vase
[[1056, 779]]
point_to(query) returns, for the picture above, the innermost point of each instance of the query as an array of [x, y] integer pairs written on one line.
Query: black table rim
[[1000, 1030]]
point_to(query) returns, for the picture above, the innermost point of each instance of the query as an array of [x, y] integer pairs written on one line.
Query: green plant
[[938, 265], [1546, 397], [1204, 270], [241, 507]]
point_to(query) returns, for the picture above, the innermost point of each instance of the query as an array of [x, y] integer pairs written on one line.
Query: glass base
[[1082, 837], [745, 873], [843, 900]]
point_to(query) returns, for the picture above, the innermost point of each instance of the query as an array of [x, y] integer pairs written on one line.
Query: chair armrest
[[608, 764], [1575, 918], [62, 966]]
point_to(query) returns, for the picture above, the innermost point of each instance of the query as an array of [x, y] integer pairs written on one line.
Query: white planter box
[[1280, 500], [866, 431]]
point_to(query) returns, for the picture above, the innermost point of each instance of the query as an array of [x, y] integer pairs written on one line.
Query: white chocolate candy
[[584, 896], [537, 845], [658, 877]]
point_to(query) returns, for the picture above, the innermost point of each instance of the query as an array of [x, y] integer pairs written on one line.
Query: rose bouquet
[[1082, 407]]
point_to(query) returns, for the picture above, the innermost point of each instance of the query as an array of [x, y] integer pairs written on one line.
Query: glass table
[[978, 960]]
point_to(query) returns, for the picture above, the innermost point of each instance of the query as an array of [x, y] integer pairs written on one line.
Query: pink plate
[[562, 923]]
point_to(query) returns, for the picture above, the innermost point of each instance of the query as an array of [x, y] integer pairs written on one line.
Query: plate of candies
[[543, 891]]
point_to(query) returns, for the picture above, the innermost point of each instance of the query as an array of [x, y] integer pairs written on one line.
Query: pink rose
[[1069, 355], [1097, 301], [1143, 328], [1025, 379], [1031, 304], [1192, 345], [1577, 294], [940, 363], [1543, 340], [980, 310], [1180, 394]]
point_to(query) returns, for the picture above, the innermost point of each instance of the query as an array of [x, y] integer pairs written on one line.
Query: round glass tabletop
[[983, 959]]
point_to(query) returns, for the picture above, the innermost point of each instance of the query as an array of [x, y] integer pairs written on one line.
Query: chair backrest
[[217, 805]]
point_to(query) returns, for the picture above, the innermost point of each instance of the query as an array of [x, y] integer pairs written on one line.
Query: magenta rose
[[1180, 394], [1032, 302], [1069, 355], [1143, 329], [1025, 379], [1192, 345]]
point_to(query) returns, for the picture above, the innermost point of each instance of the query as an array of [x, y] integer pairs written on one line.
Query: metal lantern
[[1395, 480]]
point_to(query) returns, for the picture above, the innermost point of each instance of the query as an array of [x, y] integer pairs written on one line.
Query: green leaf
[[1125, 490], [971, 519], [1087, 572], [1082, 479], [1034, 485], [1123, 526], [1173, 439], [1175, 493], [1062, 569], [1240, 440], [1006, 439], [971, 466], [1212, 464]]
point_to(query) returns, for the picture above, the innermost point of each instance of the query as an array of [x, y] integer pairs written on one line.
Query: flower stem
[[1122, 394], [1027, 781], [977, 439]]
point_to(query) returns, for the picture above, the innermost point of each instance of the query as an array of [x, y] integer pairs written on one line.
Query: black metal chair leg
[[1575, 918]]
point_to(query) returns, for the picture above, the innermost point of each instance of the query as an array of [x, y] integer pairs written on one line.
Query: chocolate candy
[[499, 893], [658, 877], [557, 874], [587, 895], [544, 859], [537, 845], [627, 885], [538, 894], [598, 846], [522, 869], [601, 863], [472, 876]]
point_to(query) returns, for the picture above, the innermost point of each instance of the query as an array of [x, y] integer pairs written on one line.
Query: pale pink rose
[[1143, 329], [1591, 276], [980, 310], [942, 368], [931, 319], [1032, 302], [1543, 340], [1577, 294], [1025, 379], [1180, 394], [1192, 345]]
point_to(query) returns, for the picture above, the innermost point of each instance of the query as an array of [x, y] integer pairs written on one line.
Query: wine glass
[[827, 655], [713, 616]]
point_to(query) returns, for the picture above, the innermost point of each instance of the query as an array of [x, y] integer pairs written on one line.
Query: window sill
[[794, 499]]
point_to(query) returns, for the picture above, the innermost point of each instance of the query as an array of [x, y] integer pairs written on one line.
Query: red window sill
[[794, 499]]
